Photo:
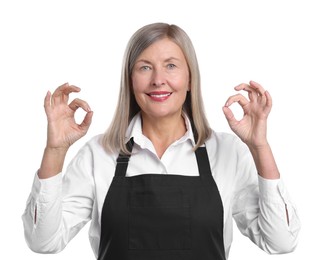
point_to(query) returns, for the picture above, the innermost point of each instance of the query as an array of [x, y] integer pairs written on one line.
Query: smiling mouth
[[159, 96]]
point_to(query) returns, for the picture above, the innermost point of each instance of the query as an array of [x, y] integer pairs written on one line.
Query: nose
[[158, 78]]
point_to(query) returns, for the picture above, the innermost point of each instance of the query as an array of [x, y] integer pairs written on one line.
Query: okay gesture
[[63, 130], [252, 128]]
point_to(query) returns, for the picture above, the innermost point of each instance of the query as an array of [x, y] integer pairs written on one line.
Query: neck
[[163, 131]]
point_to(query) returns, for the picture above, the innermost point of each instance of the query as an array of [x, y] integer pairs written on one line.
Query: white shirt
[[58, 207]]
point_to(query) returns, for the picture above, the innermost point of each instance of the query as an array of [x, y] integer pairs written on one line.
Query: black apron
[[162, 216]]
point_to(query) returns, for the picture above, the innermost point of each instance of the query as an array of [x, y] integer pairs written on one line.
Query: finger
[[65, 89], [229, 116], [87, 121], [256, 92], [61, 94], [264, 97], [237, 98], [77, 103], [241, 86], [252, 95], [251, 87], [269, 102], [257, 87], [47, 102], [269, 99]]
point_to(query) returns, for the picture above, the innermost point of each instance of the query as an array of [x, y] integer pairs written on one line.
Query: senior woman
[[160, 183]]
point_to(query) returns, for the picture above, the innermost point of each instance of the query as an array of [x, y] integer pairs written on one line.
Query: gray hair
[[127, 107]]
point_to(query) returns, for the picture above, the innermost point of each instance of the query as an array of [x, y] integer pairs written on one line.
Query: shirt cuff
[[45, 190], [272, 191]]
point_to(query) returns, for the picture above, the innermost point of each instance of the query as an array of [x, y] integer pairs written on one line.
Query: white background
[[44, 44]]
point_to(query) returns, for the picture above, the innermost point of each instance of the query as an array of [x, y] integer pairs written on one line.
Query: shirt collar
[[135, 130]]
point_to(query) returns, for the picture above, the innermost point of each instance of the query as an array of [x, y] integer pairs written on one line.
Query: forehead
[[163, 48]]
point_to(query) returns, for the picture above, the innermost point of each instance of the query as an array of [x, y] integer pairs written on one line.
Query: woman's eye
[[171, 66], [145, 68]]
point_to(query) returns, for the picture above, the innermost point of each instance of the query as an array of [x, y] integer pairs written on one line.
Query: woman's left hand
[[252, 128]]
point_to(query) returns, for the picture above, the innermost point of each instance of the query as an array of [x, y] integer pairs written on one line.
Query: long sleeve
[[58, 207], [263, 211], [43, 215]]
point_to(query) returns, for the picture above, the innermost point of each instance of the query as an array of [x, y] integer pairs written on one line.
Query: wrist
[[264, 161], [56, 150], [52, 162], [259, 147]]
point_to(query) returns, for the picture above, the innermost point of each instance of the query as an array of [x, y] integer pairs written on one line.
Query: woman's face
[[161, 79]]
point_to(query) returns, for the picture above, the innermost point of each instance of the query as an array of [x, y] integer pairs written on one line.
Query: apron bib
[[162, 217]]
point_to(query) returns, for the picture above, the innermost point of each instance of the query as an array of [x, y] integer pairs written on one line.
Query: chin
[[162, 114]]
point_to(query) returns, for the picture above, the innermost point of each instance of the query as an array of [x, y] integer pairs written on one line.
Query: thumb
[[229, 116], [87, 121]]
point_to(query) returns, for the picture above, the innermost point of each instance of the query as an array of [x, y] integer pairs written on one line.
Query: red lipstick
[[159, 96]]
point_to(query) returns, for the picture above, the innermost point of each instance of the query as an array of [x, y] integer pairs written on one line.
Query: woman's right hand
[[62, 129]]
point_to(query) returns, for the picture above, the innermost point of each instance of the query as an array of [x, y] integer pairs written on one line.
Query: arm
[[272, 214], [262, 208], [252, 128], [50, 218], [62, 130], [59, 206]]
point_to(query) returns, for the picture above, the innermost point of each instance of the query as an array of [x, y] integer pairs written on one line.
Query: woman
[[160, 184]]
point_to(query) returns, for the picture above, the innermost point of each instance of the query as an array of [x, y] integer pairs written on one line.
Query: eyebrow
[[166, 60], [172, 58], [143, 60]]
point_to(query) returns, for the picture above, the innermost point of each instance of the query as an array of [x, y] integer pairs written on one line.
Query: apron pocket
[[159, 220]]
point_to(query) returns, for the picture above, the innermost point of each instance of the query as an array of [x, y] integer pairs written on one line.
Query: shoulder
[[227, 143], [92, 159], [94, 148], [95, 141], [222, 138]]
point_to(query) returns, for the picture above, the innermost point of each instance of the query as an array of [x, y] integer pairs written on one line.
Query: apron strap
[[203, 161], [122, 161]]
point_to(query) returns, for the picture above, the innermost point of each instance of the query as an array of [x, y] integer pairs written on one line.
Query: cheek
[[182, 81], [137, 90], [135, 87], [138, 84], [185, 85]]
